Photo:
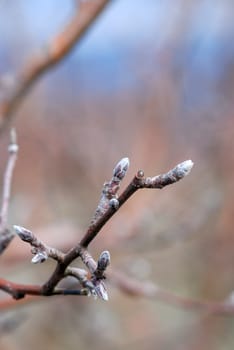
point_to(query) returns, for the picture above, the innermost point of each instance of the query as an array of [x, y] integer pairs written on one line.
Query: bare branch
[[174, 175], [160, 181], [138, 182], [53, 53], [93, 285], [88, 260], [40, 250], [91, 282], [6, 235], [109, 192], [18, 291], [128, 285], [13, 151], [135, 288], [80, 274]]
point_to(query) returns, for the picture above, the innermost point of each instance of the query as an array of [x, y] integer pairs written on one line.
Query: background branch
[[6, 235], [135, 288], [53, 53], [127, 285]]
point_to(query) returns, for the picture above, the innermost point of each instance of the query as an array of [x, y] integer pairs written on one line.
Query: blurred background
[[152, 80]]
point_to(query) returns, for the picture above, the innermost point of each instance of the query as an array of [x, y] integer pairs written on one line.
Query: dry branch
[[138, 182], [92, 281], [40, 250]]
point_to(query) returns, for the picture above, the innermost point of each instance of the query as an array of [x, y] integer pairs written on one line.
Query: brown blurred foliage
[[152, 81]]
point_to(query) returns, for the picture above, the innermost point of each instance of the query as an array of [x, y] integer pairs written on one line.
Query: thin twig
[[19, 291], [13, 151], [110, 190], [40, 250], [53, 53], [138, 182], [6, 235]]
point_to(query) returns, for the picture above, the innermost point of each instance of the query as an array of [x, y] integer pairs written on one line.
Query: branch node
[[114, 203], [13, 146], [140, 174]]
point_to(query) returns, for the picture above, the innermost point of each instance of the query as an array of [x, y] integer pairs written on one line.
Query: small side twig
[[109, 192], [40, 250], [13, 152]]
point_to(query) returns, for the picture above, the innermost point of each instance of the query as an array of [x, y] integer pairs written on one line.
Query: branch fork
[[91, 279]]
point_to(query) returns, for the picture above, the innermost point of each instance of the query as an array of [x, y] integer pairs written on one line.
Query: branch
[[19, 291], [52, 54], [110, 189], [135, 288], [6, 235], [127, 285], [40, 250], [92, 284], [139, 181], [93, 281], [160, 181]]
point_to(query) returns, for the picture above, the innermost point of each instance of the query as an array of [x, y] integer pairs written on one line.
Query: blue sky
[[127, 28]]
